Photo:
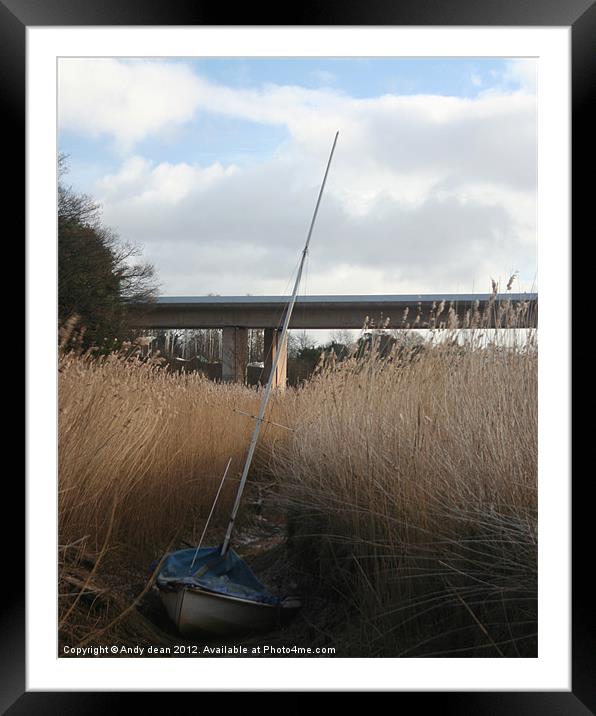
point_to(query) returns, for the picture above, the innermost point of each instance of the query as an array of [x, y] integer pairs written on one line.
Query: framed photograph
[[284, 402]]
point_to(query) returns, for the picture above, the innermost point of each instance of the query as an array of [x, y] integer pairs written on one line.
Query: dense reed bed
[[142, 450], [408, 480], [411, 489]]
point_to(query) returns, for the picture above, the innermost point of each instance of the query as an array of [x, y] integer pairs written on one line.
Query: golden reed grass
[[411, 485], [142, 450], [409, 479]]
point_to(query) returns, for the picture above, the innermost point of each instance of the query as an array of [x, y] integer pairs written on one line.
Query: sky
[[212, 167]]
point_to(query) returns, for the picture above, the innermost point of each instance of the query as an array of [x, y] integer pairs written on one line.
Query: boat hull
[[197, 612]]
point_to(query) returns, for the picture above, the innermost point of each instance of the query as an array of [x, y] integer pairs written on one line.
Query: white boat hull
[[197, 612]]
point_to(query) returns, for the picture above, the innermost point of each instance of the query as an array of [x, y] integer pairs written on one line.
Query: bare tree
[[344, 336], [298, 341]]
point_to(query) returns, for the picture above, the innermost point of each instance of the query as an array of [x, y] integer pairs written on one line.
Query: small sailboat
[[211, 590]]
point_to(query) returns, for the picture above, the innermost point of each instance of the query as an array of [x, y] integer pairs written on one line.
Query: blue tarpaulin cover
[[228, 575]]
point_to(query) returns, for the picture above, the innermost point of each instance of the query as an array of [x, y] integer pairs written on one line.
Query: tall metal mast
[[267, 393]]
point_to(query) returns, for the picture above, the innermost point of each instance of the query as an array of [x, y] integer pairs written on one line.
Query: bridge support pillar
[[234, 354], [272, 346]]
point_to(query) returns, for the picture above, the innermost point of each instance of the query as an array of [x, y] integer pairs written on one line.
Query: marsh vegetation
[[399, 498]]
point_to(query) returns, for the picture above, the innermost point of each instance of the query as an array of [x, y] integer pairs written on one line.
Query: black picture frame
[[580, 15]]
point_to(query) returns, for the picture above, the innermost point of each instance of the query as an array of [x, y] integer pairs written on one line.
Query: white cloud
[[523, 72], [518, 76], [323, 77], [127, 100], [138, 183], [242, 231], [426, 193]]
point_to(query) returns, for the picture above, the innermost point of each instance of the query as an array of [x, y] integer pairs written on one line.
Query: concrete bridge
[[236, 314]]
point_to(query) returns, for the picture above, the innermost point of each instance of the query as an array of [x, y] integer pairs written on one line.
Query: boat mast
[[267, 393]]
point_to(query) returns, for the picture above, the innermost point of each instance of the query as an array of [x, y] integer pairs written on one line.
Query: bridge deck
[[315, 312]]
